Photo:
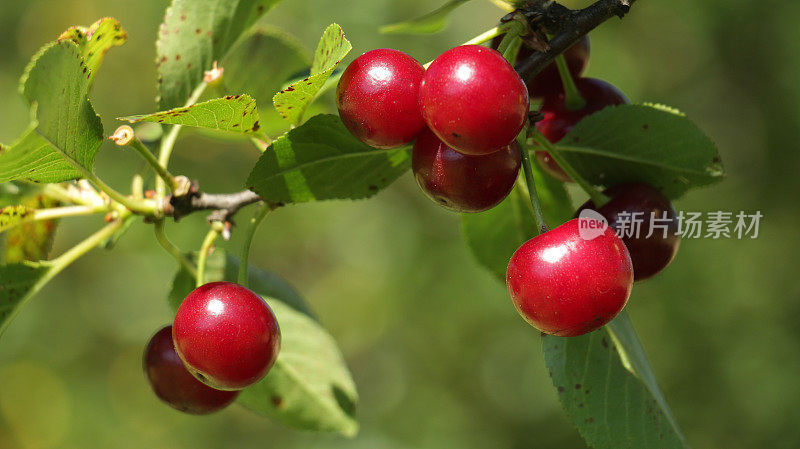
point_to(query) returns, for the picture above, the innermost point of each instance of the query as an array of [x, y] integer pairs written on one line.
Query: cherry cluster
[[224, 338], [464, 113]]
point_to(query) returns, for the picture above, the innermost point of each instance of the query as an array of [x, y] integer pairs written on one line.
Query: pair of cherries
[[464, 112], [224, 338]]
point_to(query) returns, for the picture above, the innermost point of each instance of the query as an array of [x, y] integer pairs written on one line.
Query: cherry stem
[[598, 197], [205, 250], [151, 160], [244, 260], [538, 215], [164, 241], [572, 96]]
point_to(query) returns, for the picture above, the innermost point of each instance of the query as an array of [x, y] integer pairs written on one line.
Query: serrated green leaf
[[293, 101], [18, 282], [237, 113], [194, 34], [430, 23], [609, 403], [260, 65], [32, 158], [309, 387], [642, 143], [95, 41], [31, 241], [321, 160]]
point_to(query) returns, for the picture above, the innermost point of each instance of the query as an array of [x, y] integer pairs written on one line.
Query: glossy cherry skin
[[566, 286], [559, 120], [378, 98], [460, 182], [641, 202], [473, 100], [173, 383], [548, 81], [226, 335]]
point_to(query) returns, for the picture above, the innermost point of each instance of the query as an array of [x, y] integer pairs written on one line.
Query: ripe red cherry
[[173, 383], [473, 100], [378, 98], [460, 182], [632, 206], [226, 335], [559, 120], [548, 81], [565, 285]]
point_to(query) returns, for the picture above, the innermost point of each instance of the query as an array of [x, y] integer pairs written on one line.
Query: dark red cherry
[[566, 283], [631, 211], [460, 182], [226, 335], [473, 100], [559, 120], [173, 383], [548, 81], [378, 98]]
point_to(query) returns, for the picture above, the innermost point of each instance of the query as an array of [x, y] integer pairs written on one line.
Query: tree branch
[[566, 26], [223, 205]]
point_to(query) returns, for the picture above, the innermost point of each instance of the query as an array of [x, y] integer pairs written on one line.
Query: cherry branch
[[223, 205], [566, 26]]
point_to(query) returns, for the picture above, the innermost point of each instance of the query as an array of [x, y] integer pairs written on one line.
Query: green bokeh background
[[440, 356]]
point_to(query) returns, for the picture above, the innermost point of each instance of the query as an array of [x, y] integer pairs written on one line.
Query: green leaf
[[293, 101], [309, 387], [430, 23], [652, 144], [494, 235], [33, 240], [32, 158], [95, 41], [553, 196], [194, 34], [237, 114], [608, 390], [321, 160], [18, 282], [260, 65]]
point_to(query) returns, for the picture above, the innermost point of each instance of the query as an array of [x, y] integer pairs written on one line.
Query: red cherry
[[548, 81], [632, 206], [378, 98], [473, 100], [460, 182], [173, 384], [226, 335], [559, 120], [565, 285]]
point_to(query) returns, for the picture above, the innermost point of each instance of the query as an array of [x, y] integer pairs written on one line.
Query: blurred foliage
[[440, 356]]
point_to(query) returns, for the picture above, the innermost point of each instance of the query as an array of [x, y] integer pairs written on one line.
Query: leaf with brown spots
[[31, 240], [293, 101], [196, 33], [614, 401], [235, 113], [95, 41]]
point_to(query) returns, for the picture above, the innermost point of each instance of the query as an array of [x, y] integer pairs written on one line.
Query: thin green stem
[[151, 160], [164, 241], [487, 35], [597, 196], [244, 260], [205, 249], [168, 141], [138, 207], [572, 96], [538, 215], [67, 211], [59, 193]]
